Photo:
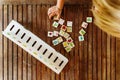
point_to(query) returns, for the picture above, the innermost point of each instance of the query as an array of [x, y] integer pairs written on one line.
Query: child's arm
[[60, 4], [56, 10]]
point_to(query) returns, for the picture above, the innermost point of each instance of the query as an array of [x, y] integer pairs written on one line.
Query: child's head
[[107, 16]]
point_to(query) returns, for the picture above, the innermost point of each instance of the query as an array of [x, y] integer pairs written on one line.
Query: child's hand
[[54, 12]]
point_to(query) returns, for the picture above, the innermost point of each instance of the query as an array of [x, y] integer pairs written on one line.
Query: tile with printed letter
[[59, 39], [65, 44], [61, 33], [69, 40], [61, 21], [89, 19], [81, 38], [55, 24], [63, 27], [72, 45], [68, 49], [84, 24], [82, 32], [66, 35], [50, 34], [69, 29], [55, 42], [55, 33], [69, 23]]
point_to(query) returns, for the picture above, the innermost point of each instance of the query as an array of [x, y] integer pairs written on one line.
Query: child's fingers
[[58, 17], [51, 15], [49, 11]]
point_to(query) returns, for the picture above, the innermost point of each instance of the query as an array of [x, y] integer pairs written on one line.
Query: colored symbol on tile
[[63, 27], [8, 33], [65, 44], [35, 53], [84, 24], [72, 45], [68, 49], [55, 24], [24, 45], [81, 38], [89, 19], [61, 21], [82, 32], [55, 42], [69, 29]]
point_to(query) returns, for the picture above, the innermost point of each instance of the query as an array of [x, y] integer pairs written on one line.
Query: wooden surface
[[97, 58], [43, 1]]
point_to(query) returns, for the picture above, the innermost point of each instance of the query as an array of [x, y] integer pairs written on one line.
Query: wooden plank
[[20, 54], [113, 56], [73, 2], [117, 74], [81, 54], [34, 22], [104, 56], [51, 72], [49, 40], [86, 46], [69, 16], [15, 49], [1, 42], [29, 24], [90, 48], [5, 44], [94, 52], [25, 63], [108, 57], [44, 33], [63, 52], [99, 53], [39, 73], [10, 52], [76, 49]]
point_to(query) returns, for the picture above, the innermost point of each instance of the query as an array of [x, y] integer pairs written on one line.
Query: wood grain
[[96, 58], [73, 2], [1, 43]]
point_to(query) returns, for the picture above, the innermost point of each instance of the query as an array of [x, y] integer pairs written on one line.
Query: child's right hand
[[54, 13]]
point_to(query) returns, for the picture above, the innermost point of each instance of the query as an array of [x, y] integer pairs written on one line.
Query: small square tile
[[89, 19], [72, 45], [66, 35], [55, 18], [69, 40], [55, 42], [69, 23], [55, 33], [55, 24], [61, 33], [68, 49], [50, 34], [65, 44], [84, 24], [61, 21], [69, 29], [59, 39], [82, 32], [81, 38], [63, 27]]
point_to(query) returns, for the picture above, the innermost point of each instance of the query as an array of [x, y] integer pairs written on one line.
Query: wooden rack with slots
[[35, 46]]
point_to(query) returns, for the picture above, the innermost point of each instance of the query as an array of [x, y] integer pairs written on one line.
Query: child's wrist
[[60, 9]]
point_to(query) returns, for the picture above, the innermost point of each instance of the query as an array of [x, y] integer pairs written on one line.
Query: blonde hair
[[107, 16]]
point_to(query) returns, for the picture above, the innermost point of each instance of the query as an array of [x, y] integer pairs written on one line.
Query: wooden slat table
[[97, 58]]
